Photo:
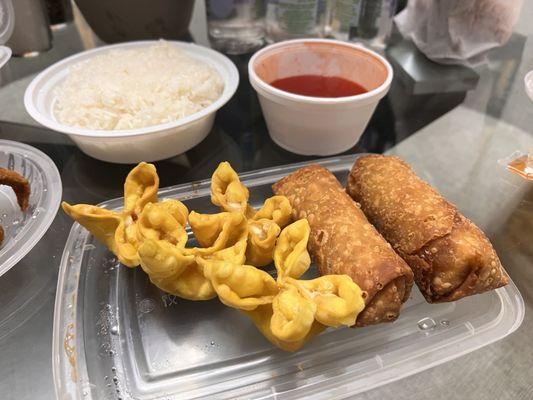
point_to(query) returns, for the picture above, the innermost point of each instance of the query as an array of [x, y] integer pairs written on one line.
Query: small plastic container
[[24, 229], [118, 336], [150, 143], [317, 125]]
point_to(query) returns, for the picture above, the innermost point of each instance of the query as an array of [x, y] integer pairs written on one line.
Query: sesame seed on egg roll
[[450, 256], [342, 241]]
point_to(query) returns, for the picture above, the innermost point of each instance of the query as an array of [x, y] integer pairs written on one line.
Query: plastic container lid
[[7, 20], [116, 336], [24, 229]]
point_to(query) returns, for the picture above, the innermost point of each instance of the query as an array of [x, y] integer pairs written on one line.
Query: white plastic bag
[[458, 31]]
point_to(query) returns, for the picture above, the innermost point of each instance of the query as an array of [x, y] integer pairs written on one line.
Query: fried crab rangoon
[[174, 272], [288, 311], [228, 192], [277, 209], [219, 232], [178, 270], [262, 235], [164, 221], [118, 230]]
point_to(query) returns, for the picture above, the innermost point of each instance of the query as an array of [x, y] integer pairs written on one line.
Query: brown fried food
[[19, 184], [342, 241], [450, 256]]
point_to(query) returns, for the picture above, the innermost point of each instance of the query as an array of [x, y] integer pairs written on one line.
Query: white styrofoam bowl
[[317, 125], [150, 143]]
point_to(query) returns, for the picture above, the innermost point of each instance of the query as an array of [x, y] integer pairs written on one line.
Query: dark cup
[[118, 20]]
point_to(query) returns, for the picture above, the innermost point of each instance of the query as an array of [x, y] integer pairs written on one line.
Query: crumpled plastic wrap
[[458, 31]]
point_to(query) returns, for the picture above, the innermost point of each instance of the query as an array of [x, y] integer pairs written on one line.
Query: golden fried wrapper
[[127, 241], [175, 208], [109, 228], [191, 285], [100, 222], [118, 231], [337, 298], [227, 191], [293, 315], [450, 256], [234, 254], [140, 187], [207, 227], [262, 317], [277, 209], [217, 231], [240, 286], [290, 255], [164, 221], [262, 235], [162, 260], [174, 272]]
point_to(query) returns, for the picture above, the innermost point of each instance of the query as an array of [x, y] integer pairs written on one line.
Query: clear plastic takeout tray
[[116, 336], [24, 229]]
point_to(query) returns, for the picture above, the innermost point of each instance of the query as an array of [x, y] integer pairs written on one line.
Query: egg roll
[[450, 256], [342, 241]]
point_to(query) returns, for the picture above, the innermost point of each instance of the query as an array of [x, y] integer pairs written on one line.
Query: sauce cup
[[318, 125]]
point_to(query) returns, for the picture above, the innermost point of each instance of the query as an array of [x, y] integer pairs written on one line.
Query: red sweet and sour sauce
[[319, 86]]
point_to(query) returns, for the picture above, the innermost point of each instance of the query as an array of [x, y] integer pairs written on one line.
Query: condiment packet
[[519, 163]]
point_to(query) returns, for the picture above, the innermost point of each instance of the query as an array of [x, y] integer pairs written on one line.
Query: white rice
[[125, 89]]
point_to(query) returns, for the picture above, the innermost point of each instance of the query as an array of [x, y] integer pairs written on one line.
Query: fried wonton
[[277, 209], [240, 286], [227, 191], [173, 271], [164, 221], [337, 299], [118, 230], [262, 236], [217, 232], [290, 255], [262, 319]]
